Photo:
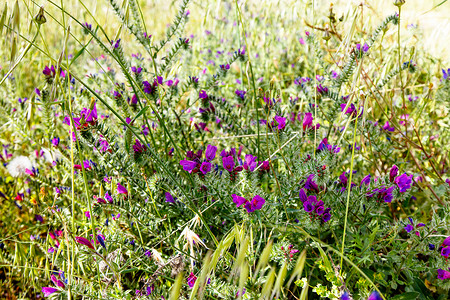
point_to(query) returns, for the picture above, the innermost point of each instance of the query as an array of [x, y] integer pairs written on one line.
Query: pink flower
[[48, 291], [188, 165], [443, 274], [307, 121], [191, 280], [238, 200], [210, 152], [121, 189], [387, 127], [205, 167], [57, 282], [84, 241], [446, 242], [228, 163]]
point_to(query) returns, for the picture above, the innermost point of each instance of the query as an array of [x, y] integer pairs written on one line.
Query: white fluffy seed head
[[16, 167]]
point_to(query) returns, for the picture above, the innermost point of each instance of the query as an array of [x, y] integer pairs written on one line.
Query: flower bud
[[326, 35], [92, 104], [393, 173], [399, 3], [40, 18]]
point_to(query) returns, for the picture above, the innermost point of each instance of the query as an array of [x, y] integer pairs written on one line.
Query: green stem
[[348, 195]]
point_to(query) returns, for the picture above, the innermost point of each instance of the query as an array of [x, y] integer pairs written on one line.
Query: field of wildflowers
[[222, 150]]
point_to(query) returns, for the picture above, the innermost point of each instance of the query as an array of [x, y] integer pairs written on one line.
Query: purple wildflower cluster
[[403, 183], [150, 88], [88, 116], [311, 204], [255, 204], [195, 164], [410, 227], [138, 149], [289, 252], [278, 123], [325, 146], [446, 74], [50, 73]]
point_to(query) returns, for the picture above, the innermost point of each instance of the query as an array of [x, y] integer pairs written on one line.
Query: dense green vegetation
[[242, 151]]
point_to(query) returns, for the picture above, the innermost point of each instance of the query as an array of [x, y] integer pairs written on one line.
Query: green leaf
[[140, 113], [407, 296], [79, 52]]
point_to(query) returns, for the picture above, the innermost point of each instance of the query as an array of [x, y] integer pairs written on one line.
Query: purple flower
[[50, 72], [311, 184], [320, 210], [308, 206], [446, 74], [345, 296], [375, 296], [87, 214], [121, 189], [103, 145], [84, 241], [393, 173], [145, 130], [203, 95], [302, 195], [101, 240], [350, 109], [281, 122], [364, 48], [343, 180], [250, 162], [387, 127], [409, 228], [169, 198], [307, 121], [55, 141], [188, 165], [39, 218], [322, 89], [412, 99], [241, 294], [403, 182], [326, 217], [445, 252], [57, 282], [446, 242], [191, 280], [210, 152], [48, 291], [365, 180], [87, 26], [136, 70], [238, 200], [205, 167], [150, 289], [240, 94], [228, 163], [443, 274], [138, 147], [148, 88], [108, 197], [258, 202], [115, 44]]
